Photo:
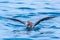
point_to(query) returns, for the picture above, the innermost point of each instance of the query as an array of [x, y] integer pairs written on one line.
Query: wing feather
[[16, 20], [43, 19]]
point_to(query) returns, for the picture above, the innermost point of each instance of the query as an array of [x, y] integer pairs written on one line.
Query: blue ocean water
[[31, 10]]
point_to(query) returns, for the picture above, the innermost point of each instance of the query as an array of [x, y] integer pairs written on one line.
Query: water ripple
[[50, 8], [19, 3], [21, 15], [13, 25], [31, 14], [17, 39], [25, 8], [55, 37], [4, 2], [54, 27], [51, 13]]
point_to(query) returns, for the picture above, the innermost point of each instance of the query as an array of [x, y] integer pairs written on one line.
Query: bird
[[29, 25]]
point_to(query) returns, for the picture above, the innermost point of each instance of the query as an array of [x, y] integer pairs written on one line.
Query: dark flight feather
[[43, 19], [16, 20]]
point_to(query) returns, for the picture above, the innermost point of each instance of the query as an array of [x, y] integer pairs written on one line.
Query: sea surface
[[31, 10]]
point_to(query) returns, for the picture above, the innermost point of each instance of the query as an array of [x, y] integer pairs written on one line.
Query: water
[[32, 10]]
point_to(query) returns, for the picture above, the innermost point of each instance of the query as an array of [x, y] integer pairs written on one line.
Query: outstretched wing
[[43, 19], [16, 20]]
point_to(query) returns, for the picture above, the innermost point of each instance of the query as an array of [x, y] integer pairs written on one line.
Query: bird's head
[[29, 24]]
